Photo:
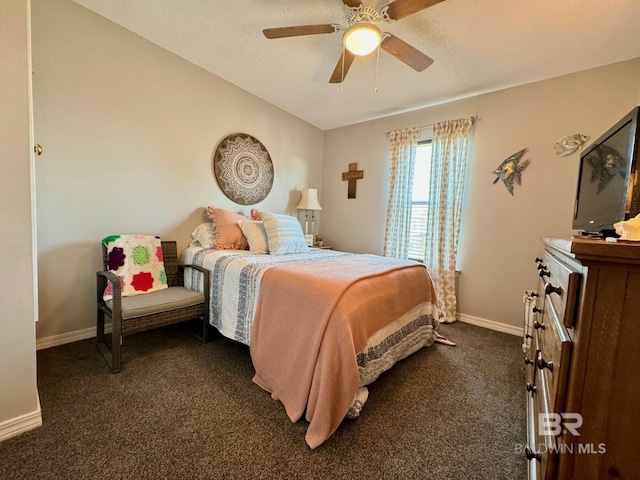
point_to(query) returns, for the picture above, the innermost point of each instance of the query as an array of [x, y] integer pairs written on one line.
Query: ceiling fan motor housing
[[362, 14], [362, 35]]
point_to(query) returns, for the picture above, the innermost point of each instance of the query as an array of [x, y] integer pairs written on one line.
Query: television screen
[[608, 174]]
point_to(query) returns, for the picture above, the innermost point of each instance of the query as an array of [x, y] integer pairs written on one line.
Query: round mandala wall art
[[243, 169]]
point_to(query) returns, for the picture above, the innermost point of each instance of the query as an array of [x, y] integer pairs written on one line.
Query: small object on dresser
[[319, 241], [629, 229]]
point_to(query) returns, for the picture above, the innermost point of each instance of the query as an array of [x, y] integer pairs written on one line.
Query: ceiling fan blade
[[406, 53], [298, 31], [403, 8], [337, 76], [352, 3]]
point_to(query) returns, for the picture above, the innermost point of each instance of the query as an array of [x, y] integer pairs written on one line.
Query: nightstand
[[325, 247]]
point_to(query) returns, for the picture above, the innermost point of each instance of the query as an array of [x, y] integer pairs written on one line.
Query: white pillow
[[202, 236], [256, 235], [284, 234]]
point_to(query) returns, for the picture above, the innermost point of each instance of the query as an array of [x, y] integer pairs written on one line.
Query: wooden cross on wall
[[351, 176]]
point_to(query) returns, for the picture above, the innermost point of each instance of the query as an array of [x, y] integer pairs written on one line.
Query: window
[[420, 201]]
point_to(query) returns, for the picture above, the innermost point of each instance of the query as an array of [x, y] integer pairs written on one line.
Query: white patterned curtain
[[403, 154], [448, 165]]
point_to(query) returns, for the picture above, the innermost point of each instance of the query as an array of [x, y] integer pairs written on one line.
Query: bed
[[320, 325]]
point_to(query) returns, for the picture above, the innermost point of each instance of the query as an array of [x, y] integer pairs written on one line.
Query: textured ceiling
[[478, 46]]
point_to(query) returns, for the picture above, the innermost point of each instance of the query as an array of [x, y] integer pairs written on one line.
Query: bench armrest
[[206, 284], [102, 277]]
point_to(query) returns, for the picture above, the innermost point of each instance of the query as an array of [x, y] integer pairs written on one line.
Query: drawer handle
[[537, 325], [542, 363], [543, 273], [532, 388], [538, 260], [528, 361], [531, 455], [542, 266], [528, 336], [536, 310], [549, 289]]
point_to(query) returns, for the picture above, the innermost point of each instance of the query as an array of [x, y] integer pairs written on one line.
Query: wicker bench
[[137, 313]]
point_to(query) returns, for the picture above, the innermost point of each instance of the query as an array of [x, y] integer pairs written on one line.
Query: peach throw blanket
[[312, 319]]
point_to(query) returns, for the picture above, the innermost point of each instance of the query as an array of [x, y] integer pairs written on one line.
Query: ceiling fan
[[362, 34]]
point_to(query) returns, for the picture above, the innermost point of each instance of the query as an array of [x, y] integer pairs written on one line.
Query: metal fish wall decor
[[510, 170], [569, 144]]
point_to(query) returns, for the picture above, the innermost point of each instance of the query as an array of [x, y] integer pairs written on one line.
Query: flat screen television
[[608, 189]]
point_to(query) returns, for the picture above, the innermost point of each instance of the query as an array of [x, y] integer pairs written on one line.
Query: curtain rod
[[473, 120]]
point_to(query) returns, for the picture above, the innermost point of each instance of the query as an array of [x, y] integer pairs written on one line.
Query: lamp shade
[[309, 200]]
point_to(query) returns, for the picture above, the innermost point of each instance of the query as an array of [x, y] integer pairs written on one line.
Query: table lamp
[[309, 203]]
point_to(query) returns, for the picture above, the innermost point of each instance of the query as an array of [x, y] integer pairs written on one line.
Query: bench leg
[[205, 330], [100, 326], [113, 355], [116, 344]]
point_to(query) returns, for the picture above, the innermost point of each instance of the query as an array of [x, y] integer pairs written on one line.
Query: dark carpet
[[185, 410]]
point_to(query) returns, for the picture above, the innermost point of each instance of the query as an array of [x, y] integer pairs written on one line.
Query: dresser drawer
[[562, 284], [533, 451], [545, 444], [553, 358]]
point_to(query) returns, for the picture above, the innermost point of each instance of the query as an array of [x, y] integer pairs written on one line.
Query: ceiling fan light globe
[[362, 39]]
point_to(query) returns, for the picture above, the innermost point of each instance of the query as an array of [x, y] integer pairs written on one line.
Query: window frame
[[420, 203]]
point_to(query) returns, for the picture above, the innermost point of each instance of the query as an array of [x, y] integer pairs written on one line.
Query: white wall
[[129, 131], [500, 233], [19, 405]]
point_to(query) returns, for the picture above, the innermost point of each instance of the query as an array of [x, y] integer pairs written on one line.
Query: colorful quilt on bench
[[137, 260]]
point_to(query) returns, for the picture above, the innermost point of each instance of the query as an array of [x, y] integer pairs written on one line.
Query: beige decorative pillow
[[256, 235], [226, 231]]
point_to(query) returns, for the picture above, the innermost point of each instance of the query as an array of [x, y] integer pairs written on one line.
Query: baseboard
[[21, 424], [63, 338], [490, 324], [57, 340]]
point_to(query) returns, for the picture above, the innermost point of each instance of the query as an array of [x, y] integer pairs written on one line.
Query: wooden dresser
[[582, 360]]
